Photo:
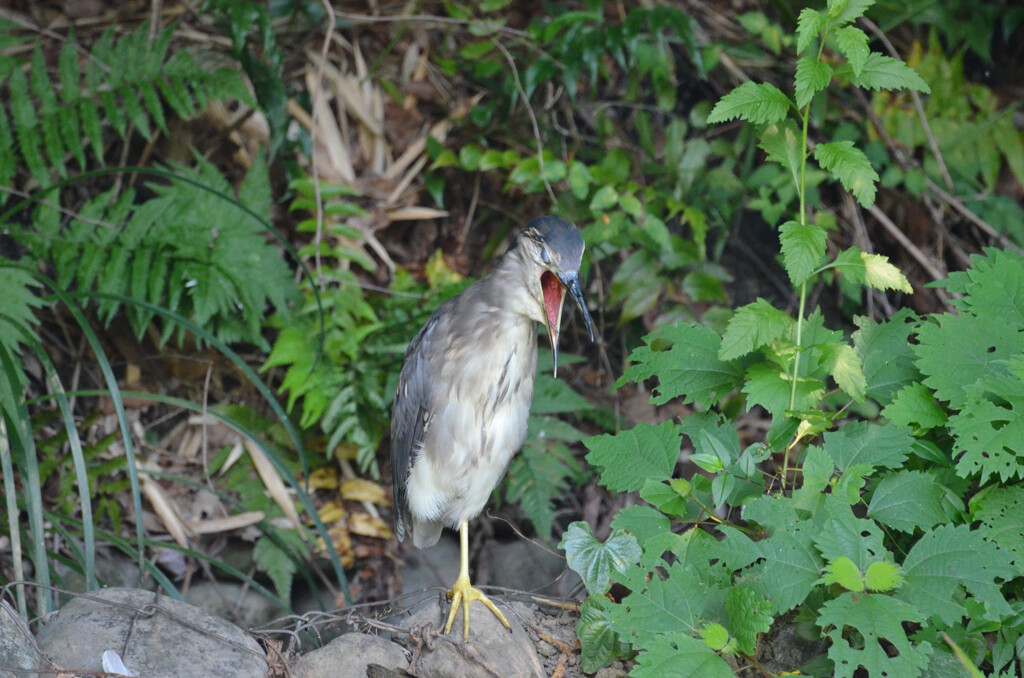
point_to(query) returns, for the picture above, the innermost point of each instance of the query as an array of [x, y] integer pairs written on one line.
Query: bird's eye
[[544, 257]]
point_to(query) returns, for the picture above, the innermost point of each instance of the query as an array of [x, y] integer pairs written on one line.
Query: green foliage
[[125, 81], [886, 534]]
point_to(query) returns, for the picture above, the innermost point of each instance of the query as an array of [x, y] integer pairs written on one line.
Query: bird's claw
[[463, 593]]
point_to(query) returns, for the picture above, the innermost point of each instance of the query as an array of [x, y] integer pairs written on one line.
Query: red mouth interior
[[553, 295]]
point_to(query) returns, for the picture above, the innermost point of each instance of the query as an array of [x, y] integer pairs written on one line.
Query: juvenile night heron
[[465, 388]]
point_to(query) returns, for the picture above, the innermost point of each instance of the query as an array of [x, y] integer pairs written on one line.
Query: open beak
[[554, 288]]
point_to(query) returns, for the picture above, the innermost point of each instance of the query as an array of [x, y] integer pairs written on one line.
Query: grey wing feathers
[[408, 422]]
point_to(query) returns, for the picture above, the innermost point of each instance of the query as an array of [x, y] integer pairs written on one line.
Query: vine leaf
[[594, 561], [600, 642], [630, 458]]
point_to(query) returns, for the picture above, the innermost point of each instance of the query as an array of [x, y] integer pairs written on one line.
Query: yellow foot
[[462, 592]]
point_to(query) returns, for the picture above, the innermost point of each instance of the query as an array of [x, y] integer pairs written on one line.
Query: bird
[[465, 387]]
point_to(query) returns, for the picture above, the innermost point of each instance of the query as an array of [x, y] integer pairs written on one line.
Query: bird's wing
[[410, 418]]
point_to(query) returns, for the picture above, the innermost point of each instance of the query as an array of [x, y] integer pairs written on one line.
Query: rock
[[19, 655], [524, 566], [491, 651], [157, 637], [235, 602], [434, 566], [348, 656]]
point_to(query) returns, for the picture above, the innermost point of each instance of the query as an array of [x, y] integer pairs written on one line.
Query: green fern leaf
[[8, 159], [114, 113], [133, 109], [152, 101], [24, 116], [17, 313], [89, 115]]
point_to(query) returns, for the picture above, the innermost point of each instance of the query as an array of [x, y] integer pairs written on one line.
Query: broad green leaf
[[749, 614], [907, 500], [843, 363], [790, 566], [812, 76], [851, 167], [579, 179], [853, 44], [882, 576], [862, 443], [685, 360], [782, 144], [948, 558], [759, 103], [808, 26], [886, 353], [878, 621], [803, 248], [663, 498], [751, 327], [715, 636], [843, 572], [659, 603], [555, 396], [954, 351], [643, 522], [770, 386], [882, 72], [844, 535], [679, 656], [605, 197], [816, 469], [594, 561], [628, 459], [600, 642], [999, 510], [915, 405], [990, 435]]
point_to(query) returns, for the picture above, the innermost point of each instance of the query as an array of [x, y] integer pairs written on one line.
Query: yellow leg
[[462, 592]]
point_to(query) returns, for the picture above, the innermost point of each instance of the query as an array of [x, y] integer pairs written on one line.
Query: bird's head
[[556, 247]]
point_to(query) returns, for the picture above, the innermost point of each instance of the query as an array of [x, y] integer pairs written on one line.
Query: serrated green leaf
[[803, 248], [685, 359], [993, 286], [886, 353], [628, 459], [749, 614], [879, 622], [782, 144], [812, 76], [851, 167], [915, 405], [594, 561], [843, 363], [808, 26], [843, 572], [844, 535], [999, 510], [954, 347], [679, 656], [643, 522], [600, 642], [659, 603], [277, 563], [882, 576], [990, 435], [852, 43], [907, 500], [845, 11], [579, 179], [790, 566], [882, 275], [882, 72], [759, 103], [948, 558], [769, 386], [751, 327], [862, 443], [663, 498]]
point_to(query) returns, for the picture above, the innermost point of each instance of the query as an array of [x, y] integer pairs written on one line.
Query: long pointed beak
[[570, 282]]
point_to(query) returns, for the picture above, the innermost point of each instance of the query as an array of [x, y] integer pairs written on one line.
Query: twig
[[917, 104], [904, 241]]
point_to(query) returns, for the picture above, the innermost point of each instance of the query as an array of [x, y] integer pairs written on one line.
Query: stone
[[234, 601], [434, 566], [491, 651], [348, 656], [19, 655], [524, 566], [157, 637]]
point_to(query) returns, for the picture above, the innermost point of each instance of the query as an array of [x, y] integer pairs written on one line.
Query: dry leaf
[[324, 479], [166, 510], [342, 541], [358, 489], [331, 512], [367, 526], [275, 486], [235, 522]]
